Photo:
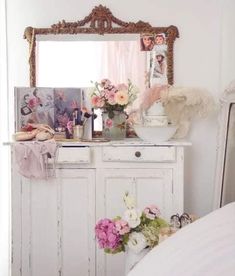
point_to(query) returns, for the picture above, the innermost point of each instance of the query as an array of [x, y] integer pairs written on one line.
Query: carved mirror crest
[[101, 21]]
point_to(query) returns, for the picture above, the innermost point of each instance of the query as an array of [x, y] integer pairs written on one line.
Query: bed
[[205, 247]]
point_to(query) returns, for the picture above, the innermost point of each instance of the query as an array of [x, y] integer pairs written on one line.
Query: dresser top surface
[[123, 143]]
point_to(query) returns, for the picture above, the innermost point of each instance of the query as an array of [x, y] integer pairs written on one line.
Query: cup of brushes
[[75, 128]]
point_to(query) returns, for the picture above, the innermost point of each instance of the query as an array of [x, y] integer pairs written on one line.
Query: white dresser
[[53, 220]]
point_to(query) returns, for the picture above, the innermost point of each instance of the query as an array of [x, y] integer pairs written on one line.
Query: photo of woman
[[146, 42], [158, 69]]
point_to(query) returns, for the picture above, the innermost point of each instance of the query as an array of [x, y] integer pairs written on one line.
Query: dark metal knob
[[137, 153]]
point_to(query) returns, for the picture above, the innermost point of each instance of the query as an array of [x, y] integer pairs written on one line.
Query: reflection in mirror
[[74, 63], [77, 63], [228, 186]]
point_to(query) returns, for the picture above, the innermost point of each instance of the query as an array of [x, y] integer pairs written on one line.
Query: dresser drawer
[[139, 154], [74, 155]]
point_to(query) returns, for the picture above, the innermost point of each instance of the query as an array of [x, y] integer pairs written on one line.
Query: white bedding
[[205, 247]]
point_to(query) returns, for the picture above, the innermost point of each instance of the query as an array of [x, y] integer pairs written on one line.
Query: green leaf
[[119, 249], [110, 114]]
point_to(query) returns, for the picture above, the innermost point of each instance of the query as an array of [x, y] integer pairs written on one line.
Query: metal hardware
[[137, 153]]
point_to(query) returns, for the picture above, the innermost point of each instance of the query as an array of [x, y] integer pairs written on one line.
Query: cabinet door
[[149, 186], [53, 225]]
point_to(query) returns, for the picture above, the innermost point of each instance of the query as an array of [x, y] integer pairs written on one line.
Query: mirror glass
[[228, 185], [77, 61]]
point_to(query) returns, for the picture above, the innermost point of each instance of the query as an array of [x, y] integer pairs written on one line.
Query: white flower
[[121, 97], [132, 216], [137, 242], [129, 201]]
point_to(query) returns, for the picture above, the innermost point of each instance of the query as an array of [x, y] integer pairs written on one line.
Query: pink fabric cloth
[[32, 158]]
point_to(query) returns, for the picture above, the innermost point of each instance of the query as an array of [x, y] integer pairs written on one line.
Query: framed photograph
[[157, 63], [146, 42]]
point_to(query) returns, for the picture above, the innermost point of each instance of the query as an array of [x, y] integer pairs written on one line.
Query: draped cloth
[[205, 247], [32, 158]]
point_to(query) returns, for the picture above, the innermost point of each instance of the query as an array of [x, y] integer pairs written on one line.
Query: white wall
[[228, 44], [4, 152], [198, 62]]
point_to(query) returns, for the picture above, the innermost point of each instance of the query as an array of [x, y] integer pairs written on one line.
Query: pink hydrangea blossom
[[109, 123], [122, 227], [107, 234], [152, 212]]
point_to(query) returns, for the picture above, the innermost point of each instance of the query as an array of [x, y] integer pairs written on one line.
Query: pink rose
[[109, 123], [152, 212], [97, 102], [111, 98], [122, 227]]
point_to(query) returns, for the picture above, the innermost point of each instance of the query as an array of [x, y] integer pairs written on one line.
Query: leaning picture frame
[[50, 106]]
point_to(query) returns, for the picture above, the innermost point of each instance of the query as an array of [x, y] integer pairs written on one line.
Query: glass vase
[[114, 128]]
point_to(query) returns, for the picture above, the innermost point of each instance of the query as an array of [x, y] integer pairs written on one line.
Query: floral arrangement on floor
[[135, 230], [110, 97]]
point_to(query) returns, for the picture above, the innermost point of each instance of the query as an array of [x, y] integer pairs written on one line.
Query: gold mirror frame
[[100, 21]]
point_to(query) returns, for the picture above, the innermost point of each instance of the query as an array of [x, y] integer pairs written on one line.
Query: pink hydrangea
[[152, 212], [107, 234], [122, 227]]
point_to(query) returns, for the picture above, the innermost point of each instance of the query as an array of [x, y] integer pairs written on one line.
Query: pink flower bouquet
[[135, 229], [110, 98]]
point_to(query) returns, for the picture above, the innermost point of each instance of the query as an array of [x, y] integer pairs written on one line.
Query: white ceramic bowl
[[155, 134]]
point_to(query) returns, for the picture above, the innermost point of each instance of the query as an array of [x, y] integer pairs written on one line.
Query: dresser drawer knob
[[137, 153]]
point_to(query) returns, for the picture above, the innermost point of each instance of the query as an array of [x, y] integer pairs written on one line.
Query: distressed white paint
[[139, 154], [149, 186], [53, 220]]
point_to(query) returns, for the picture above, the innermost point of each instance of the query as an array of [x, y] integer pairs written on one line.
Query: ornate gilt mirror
[[99, 26], [100, 21]]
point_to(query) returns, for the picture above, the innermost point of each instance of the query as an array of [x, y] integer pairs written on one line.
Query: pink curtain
[[123, 60]]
